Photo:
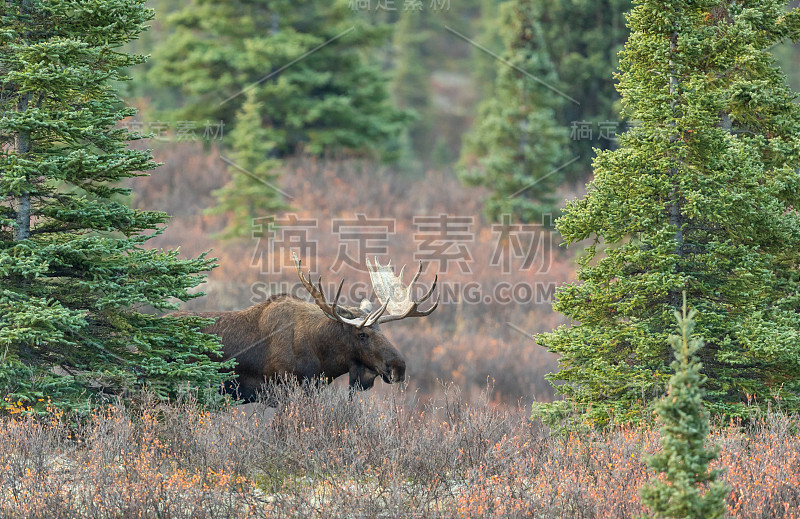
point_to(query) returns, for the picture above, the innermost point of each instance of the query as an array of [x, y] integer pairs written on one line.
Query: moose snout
[[395, 371]]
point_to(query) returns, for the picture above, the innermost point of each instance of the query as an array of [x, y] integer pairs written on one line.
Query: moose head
[[371, 354]]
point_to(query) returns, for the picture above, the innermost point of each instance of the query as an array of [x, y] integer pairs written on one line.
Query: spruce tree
[[75, 276], [488, 30], [689, 489], [411, 87], [252, 191], [516, 146], [701, 196], [584, 38], [581, 39]]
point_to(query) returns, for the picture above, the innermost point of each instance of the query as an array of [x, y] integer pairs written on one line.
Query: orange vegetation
[[320, 454]]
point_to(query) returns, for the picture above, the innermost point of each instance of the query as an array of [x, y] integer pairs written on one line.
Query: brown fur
[[285, 335]]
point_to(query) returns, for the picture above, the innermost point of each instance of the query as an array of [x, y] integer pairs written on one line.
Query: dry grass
[[320, 454]]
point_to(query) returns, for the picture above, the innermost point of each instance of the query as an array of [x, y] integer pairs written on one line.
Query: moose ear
[[345, 312], [365, 306]]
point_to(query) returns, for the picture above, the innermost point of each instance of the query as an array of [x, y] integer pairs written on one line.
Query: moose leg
[[238, 392], [245, 387]]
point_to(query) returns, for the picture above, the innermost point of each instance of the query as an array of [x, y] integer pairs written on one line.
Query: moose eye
[[363, 336]]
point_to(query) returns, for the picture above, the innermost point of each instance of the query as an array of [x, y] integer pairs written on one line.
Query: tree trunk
[[22, 145], [675, 216]]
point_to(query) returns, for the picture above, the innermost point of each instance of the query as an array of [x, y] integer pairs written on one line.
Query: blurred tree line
[[515, 96], [405, 82]]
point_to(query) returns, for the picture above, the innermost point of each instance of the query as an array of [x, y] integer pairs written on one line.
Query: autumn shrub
[[325, 453]]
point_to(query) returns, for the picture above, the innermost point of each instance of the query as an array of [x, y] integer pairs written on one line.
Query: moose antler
[[330, 309], [395, 296]]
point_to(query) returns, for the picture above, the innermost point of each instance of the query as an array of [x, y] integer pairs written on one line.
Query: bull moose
[[317, 341]]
